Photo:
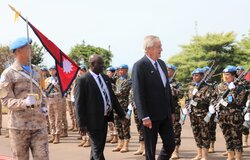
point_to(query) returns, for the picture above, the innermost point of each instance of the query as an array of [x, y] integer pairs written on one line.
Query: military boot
[[199, 154], [109, 139], [87, 143], [204, 155], [224, 153], [245, 138], [211, 147], [238, 155], [115, 139], [119, 146], [125, 146], [57, 139], [52, 138], [141, 148], [230, 155], [175, 154], [64, 133]]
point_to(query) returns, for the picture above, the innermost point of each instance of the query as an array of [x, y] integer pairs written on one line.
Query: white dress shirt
[[105, 88]]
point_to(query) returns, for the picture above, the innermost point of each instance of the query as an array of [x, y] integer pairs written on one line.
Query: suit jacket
[[152, 99], [90, 105]]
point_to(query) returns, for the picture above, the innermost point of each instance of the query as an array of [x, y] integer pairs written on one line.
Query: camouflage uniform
[[27, 127], [138, 122], [245, 130], [177, 94], [64, 132], [55, 103], [230, 117], [123, 86], [198, 112]]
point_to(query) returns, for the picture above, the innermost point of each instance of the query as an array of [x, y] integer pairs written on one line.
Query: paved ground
[[68, 148]]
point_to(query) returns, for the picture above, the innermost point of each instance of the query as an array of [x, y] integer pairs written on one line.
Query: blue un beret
[[198, 71], [52, 67], [230, 69], [112, 69], [123, 66], [19, 43], [171, 66], [206, 68], [240, 68]]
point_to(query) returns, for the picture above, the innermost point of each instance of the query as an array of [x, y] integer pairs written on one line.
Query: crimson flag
[[66, 68]]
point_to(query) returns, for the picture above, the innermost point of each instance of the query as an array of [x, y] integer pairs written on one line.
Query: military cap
[[171, 66], [83, 67], [123, 66], [19, 43], [198, 71], [230, 69], [112, 69], [240, 68], [52, 67]]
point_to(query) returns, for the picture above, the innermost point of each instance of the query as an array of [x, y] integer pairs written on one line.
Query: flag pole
[[29, 48]]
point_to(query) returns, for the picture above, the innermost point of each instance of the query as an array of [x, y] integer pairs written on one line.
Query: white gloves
[[247, 117], [185, 111], [231, 86], [130, 107], [72, 98], [30, 100], [53, 82], [194, 91], [211, 109]]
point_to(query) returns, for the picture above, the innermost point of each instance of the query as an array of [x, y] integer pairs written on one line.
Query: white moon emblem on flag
[[67, 66]]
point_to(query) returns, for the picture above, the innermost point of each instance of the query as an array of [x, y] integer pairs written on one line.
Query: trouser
[[139, 125], [0, 115], [231, 126], [177, 126], [55, 106], [64, 116], [35, 140], [72, 112], [165, 129], [245, 130], [212, 128], [200, 130], [122, 127]]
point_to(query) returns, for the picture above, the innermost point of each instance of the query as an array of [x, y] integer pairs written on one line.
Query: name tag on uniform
[[224, 103], [193, 103]]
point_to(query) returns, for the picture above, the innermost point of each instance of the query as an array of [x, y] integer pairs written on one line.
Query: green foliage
[[218, 48], [38, 53], [6, 57], [80, 53]]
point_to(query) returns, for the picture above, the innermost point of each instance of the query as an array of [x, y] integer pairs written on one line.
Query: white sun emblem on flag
[[67, 67]]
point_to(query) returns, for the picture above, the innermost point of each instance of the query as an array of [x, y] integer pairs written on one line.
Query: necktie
[[105, 95], [156, 68]]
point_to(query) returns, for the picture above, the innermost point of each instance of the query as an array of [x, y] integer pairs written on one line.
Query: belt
[[53, 95]]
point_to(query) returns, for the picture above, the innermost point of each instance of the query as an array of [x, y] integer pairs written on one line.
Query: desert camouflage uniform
[[230, 117], [27, 126], [177, 94], [123, 86], [138, 122], [55, 103], [198, 113], [64, 132]]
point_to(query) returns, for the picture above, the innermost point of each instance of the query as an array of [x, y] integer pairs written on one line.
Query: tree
[[6, 57], [38, 52], [244, 44], [218, 48], [80, 53]]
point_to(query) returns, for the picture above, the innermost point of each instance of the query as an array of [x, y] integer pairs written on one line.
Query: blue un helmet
[[83, 67], [19, 43], [198, 71], [52, 67], [123, 66], [230, 69], [240, 68], [206, 68], [112, 69], [171, 66]]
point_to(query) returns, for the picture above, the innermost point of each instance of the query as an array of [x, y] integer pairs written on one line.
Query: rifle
[[187, 109], [221, 101]]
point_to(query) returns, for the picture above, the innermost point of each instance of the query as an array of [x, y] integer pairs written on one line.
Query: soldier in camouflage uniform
[[27, 122], [64, 132], [245, 130], [138, 122], [113, 134], [199, 101], [55, 103], [123, 86], [230, 112], [177, 94]]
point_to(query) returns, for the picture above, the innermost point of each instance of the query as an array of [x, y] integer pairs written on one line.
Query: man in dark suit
[[94, 102], [153, 99]]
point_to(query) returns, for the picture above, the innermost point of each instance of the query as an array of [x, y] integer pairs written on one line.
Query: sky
[[122, 25]]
